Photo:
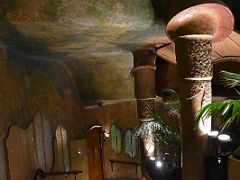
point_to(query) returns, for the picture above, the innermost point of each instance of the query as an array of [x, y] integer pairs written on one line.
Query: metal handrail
[[40, 173]]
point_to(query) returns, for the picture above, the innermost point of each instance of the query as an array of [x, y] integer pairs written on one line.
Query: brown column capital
[[136, 70], [208, 18], [144, 72], [145, 55]]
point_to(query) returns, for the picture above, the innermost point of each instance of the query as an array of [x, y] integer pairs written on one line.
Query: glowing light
[[213, 133], [96, 126], [106, 134], [152, 158], [79, 152], [149, 146], [224, 138], [159, 164], [205, 126]]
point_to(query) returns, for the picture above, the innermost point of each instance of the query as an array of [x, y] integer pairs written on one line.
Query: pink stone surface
[[208, 18]]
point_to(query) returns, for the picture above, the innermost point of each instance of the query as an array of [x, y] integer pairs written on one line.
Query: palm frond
[[230, 79], [173, 110], [166, 139], [171, 102], [229, 110], [160, 130], [148, 129]]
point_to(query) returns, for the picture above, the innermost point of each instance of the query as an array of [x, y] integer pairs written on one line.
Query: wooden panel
[[79, 160], [215, 55], [235, 37], [94, 153], [44, 142], [226, 47], [21, 153], [168, 53], [48, 144], [40, 142], [62, 148]]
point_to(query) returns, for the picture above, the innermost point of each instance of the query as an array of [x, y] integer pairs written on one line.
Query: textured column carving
[[193, 54], [145, 109]]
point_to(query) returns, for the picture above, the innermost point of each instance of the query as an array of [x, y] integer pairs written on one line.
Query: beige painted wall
[[79, 160]]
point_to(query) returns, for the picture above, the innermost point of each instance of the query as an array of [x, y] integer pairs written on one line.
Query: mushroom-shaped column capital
[[209, 18], [144, 72]]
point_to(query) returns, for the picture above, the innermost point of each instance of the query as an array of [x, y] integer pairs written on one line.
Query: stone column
[[144, 75], [193, 31], [145, 95], [193, 54]]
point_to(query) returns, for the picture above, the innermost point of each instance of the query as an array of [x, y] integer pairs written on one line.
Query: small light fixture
[[213, 134], [159, 164], [224, 138], [79, 152], [106, 134], [152, 158]]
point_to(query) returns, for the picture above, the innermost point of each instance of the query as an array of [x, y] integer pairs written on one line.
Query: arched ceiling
[[82, 45], [78, 29]]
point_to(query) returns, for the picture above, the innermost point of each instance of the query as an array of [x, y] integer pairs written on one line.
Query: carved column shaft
[[144, 91], [193, 54]]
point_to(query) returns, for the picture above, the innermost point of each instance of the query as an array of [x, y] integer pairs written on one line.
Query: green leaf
[[230, 79], [116, 139], [230, 109], [130, 144]]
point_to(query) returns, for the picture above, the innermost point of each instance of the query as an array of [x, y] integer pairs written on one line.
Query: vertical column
[[193, 54], [145, 95], [193, 31], [144, 75]]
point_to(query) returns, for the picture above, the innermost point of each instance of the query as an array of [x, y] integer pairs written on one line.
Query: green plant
[[160, 130], [171, 103], [167, 140], [229, 109]]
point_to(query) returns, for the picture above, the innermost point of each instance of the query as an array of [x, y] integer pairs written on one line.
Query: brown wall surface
[[79, 161], [22, 145]]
